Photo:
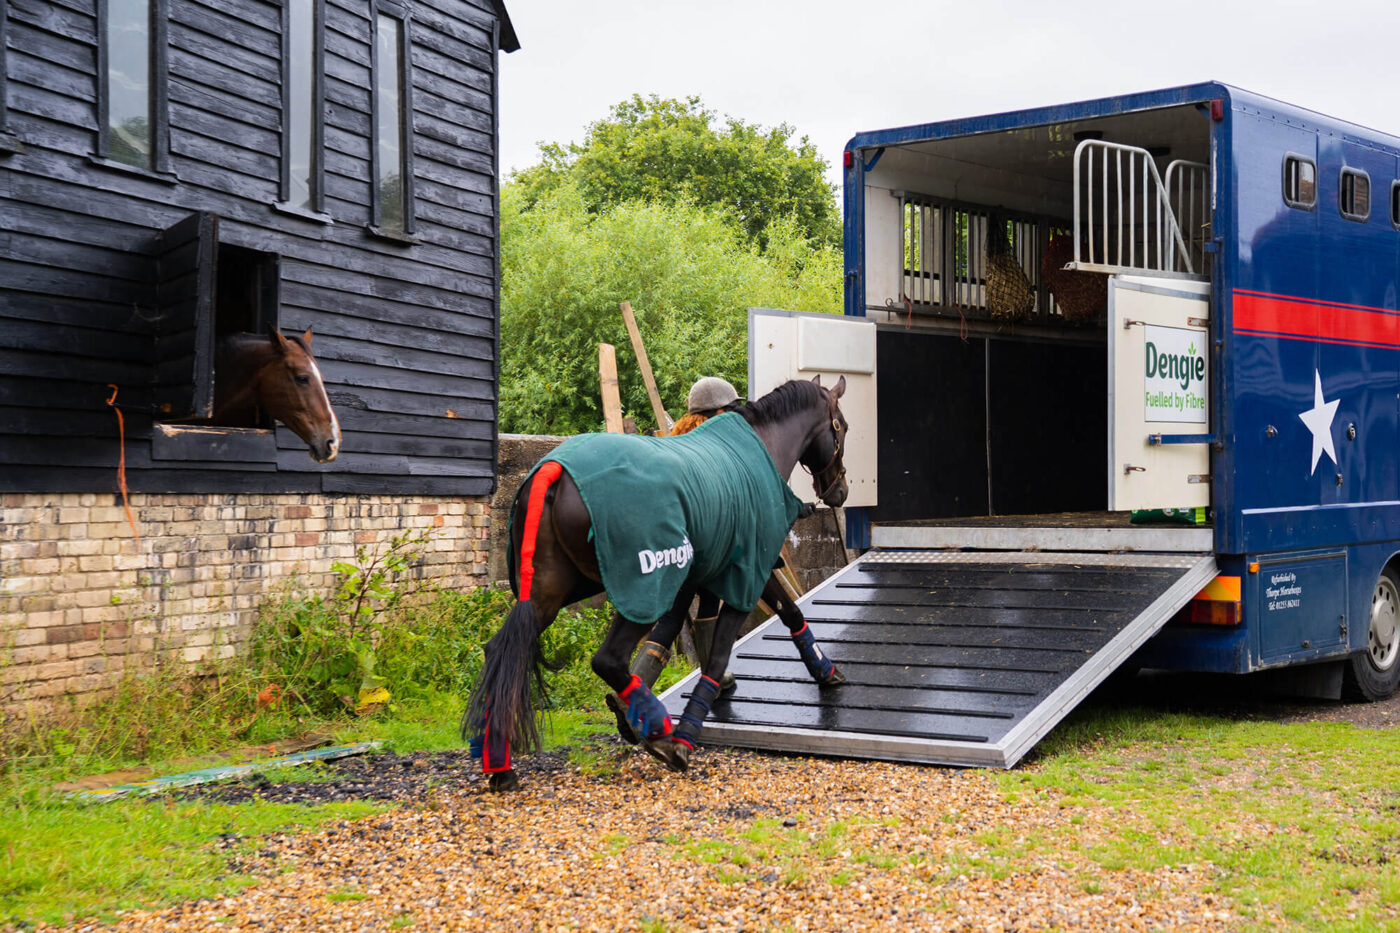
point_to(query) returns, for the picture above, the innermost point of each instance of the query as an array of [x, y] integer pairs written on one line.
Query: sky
[[830, 70]]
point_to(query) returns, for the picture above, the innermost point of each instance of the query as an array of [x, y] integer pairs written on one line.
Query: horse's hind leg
[[642, 711], [819, 666], [501, 712], [652, 658], [706, 689]]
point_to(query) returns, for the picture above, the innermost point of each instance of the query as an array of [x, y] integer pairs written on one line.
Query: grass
[[61, 859], [65, 860], [1298, 821]]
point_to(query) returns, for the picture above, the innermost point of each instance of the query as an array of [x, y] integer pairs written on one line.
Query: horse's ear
[[839, 389], [817, 379], [306, 337], [283, 343]]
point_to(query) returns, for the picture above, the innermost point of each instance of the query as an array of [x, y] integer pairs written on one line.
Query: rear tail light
[[1218, 603]]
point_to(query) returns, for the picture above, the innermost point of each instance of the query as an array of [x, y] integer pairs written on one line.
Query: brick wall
[[81, 599]]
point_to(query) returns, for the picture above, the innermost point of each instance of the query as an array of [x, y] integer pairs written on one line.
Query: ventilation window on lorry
[[1354, 193], [1395, 204], [1299, 182]]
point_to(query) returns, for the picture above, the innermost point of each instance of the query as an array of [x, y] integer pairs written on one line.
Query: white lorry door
[[787, 345], [1158, 393]]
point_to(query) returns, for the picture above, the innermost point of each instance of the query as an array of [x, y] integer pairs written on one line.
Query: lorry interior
[[973, 402]]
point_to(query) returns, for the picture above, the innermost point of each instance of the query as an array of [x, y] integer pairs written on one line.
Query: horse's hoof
[[619, 710], [662, 751], [835, 678], [680, 757], [501, 781]]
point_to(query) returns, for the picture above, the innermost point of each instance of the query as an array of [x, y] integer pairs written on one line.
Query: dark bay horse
[[554, 563], [277, 376]]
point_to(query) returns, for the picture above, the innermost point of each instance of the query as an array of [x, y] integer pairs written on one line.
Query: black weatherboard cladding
[[405, 333]]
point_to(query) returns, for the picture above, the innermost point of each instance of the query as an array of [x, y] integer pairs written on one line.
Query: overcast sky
[[832, 69]]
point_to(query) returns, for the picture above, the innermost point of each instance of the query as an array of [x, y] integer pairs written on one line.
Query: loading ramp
[[961, 658]]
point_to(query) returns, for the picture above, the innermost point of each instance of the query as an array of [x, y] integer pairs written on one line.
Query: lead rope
[[121, 461]]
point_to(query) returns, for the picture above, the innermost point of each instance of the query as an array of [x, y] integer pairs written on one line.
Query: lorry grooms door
[[1158, 393], [787, 345]]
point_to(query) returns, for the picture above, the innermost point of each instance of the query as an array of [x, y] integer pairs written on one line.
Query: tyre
[[1373, 674]]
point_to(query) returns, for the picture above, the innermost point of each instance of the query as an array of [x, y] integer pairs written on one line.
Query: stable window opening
[[132, 126], [207, 290], [1299, 182], [1354, 194]]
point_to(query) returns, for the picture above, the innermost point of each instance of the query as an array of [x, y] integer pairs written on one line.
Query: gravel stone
[[743, 841]]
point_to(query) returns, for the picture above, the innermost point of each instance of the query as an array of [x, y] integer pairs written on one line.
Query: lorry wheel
[[1374, 674]]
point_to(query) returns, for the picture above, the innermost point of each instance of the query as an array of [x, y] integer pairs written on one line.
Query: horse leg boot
[[652, 658], [818, 665], [702, 630], [706, 690], [643, 713]]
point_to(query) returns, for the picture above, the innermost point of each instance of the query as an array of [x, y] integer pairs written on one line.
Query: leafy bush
[[379, 639], [690, 274], [663, 150]]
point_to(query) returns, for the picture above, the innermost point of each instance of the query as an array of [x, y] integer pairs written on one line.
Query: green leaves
[[691, 219], [669, 151], [690, 275]]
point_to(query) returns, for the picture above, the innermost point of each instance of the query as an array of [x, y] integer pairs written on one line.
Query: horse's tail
[[501, 711]]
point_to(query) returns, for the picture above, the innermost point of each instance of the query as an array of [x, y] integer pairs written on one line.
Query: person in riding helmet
[[708, 397]]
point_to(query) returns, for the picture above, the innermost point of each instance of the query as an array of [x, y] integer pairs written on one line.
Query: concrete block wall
[[81, 599]]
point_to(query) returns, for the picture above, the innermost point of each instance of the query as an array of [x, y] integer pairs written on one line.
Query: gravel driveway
[[745, 841]]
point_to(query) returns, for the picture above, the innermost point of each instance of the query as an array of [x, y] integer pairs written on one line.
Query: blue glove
[[645, 713], [475, 744]]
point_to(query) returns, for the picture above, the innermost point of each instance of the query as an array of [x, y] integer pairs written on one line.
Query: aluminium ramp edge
[[963, 659]]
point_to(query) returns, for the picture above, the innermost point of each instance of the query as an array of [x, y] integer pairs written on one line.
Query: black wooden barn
[[171, 170]]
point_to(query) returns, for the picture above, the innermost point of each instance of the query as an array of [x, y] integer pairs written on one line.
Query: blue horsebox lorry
[[1124, 388]]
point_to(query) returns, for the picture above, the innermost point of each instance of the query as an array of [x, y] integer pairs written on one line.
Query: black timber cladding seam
[[406, 335], [954, 652]]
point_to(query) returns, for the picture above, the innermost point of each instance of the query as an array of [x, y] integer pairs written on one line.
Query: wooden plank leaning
[[607, 381], [663, 419]]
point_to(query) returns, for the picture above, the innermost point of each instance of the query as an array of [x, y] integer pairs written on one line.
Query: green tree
[[690, 273], [666, 150]]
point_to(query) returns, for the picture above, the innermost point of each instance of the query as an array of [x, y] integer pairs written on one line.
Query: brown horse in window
[[276, 376]]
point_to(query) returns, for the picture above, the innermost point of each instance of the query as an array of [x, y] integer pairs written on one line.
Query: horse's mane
[[786, 400]]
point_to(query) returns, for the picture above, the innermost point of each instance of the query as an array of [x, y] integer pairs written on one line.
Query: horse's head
[[289, 388], [822, 455]]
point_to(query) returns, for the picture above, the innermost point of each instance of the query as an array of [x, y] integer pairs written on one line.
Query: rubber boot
[[651, 659], [703, 631]]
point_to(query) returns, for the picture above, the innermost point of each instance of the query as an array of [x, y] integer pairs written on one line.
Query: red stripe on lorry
[[1302, 319]]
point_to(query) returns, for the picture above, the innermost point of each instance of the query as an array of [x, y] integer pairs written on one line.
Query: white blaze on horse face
[[335, 422]]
